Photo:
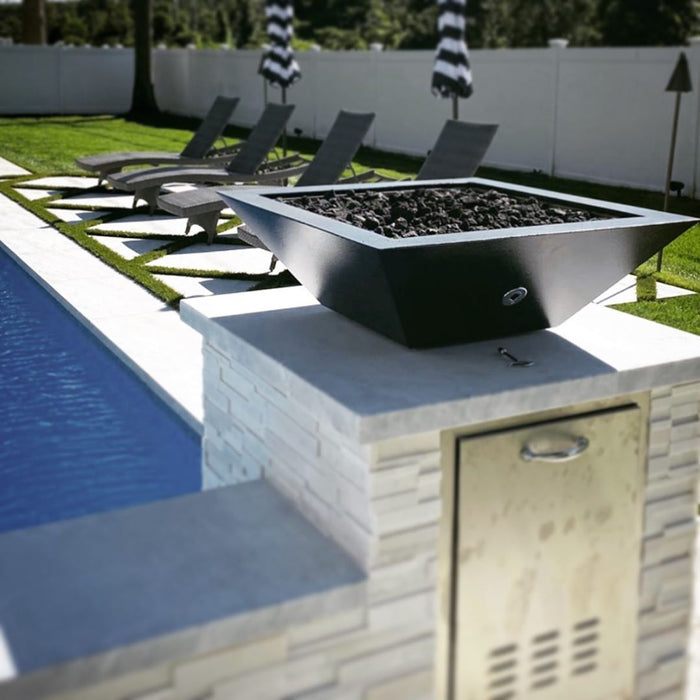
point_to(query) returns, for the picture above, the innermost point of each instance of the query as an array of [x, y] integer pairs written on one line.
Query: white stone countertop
[[88, 599], [372, 388]]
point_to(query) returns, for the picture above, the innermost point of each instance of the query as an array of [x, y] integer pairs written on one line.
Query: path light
[[679, 83]]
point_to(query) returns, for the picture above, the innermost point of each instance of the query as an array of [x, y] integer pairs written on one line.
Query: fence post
[[558, 45]]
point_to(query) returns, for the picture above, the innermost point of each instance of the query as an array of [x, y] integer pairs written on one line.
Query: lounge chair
[[203, 206], [458, 152], [198, 149], [245, 166]]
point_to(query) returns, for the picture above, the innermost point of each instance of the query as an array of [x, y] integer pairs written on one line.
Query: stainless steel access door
[[547, 559]]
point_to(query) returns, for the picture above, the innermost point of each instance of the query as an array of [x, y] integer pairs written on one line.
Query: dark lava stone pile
[[428, 211]]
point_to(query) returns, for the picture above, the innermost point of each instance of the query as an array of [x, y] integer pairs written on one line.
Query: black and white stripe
[[278, 66], [452, 76]]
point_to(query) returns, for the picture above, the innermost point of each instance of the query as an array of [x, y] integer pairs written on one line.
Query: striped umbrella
[[452, 76], [279, 67]]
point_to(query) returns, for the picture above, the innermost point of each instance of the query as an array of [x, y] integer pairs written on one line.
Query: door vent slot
[[544, 652], [502, 677], [544, 660], [546, 637], [502, 651], [585, 646], [544, 683]]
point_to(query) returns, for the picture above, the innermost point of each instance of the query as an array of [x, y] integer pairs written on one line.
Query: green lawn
[[49, 146]]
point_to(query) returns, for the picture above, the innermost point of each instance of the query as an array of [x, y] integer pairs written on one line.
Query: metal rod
[[284, 132], [669, 169]]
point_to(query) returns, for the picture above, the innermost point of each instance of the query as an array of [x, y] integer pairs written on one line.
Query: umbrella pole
[[455, 107], [669, 169], [284, 132]]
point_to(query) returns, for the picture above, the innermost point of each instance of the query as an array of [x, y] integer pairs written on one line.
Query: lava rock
[[427, 211]]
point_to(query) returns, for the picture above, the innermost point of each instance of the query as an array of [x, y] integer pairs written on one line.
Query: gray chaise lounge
[[203, 206], [198, 149], [458, 151], [245, 166]]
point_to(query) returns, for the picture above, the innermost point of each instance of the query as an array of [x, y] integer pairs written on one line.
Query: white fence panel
[[596, 114], [171, 78], [516, 90], [240, 79], [95, 80], [409, 117], [30, 80], [56, 80], [345, 80], [614, 118]]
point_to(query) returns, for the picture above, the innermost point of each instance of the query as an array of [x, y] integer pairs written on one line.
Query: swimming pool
[[79, 432]]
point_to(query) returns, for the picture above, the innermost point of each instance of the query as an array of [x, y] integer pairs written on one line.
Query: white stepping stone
[[200, 256], [75, 216], [8, 169], [204, 286], [66, 181], [31, 195], [108, 200], [625, 291], [145, 223], [130, 248]]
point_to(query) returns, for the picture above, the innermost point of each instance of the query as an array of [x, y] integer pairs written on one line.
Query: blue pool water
[[79, 433]]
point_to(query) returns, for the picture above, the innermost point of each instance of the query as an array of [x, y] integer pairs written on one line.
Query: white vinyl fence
[[596, 114]]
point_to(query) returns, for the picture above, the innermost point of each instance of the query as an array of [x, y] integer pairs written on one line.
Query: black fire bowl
[[456, 287]]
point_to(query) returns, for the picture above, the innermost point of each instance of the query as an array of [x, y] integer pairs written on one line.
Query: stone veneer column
[[666, 585]]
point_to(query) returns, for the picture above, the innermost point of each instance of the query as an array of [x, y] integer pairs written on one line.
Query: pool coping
[[146, 334]]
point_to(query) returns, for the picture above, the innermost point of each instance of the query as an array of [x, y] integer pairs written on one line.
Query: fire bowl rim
[[621, 214]]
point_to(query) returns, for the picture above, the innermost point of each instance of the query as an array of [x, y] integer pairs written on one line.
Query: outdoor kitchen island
[[526, 528]]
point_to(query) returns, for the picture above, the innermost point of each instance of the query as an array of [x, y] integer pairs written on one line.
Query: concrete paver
[[105, 200], [203, 286], [130, 248], [221, 257], [144, 223], [34, 194], [65, 181], [75, 216], [625, 291], [8, 169]]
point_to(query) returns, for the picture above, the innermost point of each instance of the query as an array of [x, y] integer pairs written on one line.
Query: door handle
[[565, 455]]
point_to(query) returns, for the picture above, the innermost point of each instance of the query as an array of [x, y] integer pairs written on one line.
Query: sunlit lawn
[[50, 145]]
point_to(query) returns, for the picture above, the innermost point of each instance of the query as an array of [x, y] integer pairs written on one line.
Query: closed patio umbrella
[[279, 66], [452, 76]]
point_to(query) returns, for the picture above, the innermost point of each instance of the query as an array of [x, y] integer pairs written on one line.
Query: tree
[[33, 22], [143, 99], [648, 22]]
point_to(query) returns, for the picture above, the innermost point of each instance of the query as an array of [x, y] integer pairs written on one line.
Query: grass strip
[[218, 274], [679, 312]]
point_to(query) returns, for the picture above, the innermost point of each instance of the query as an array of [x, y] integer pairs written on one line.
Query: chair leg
[[149, 195], [207, 221]]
